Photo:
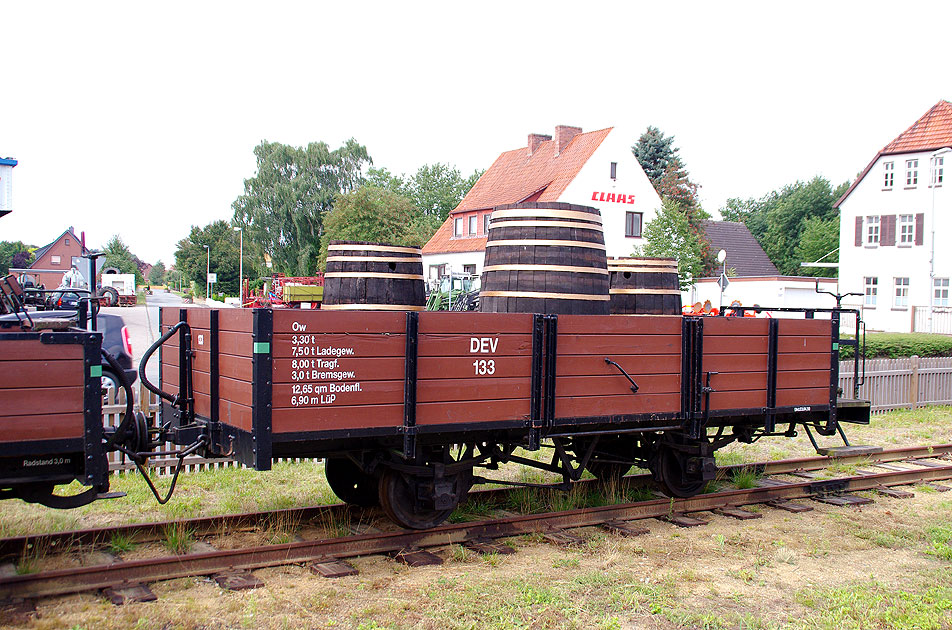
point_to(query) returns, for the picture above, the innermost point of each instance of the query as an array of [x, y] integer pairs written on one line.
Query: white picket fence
[[941, 320]]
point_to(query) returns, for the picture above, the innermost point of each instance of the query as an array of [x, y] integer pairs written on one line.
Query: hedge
[[898, 345]]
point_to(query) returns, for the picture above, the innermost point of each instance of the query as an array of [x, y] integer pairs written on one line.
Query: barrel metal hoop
[[370, 274], [568, 268], [371, 307], [530, 213], [642, 262], [395, 259], [641, 269], [542, 242], [644, 291], [374, 248], [496, 224], [552, 296]]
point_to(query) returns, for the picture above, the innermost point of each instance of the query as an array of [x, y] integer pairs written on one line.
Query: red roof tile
[[932, 131], [515, 175], [443, 241]]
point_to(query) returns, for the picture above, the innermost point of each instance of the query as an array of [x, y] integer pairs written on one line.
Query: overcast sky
[[140, 119]]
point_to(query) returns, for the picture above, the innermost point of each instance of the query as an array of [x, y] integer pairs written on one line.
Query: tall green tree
[[670, 235], [781, 219], [157, 274], [370, 214], [16, 254], [654, 151], [221, 258], [119, 256], [283, 205]]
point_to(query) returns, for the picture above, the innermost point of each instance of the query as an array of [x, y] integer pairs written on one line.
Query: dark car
[[115, 341]]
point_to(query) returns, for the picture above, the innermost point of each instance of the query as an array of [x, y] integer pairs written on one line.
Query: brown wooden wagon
[[404, 405]]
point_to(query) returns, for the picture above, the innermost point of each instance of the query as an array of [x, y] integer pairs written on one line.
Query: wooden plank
[[620, 325], [794, 345], [338, 345], [449, 345], [800, 397], [581, 365], [336, 418], [39, 374], [740, 381], [314, 369], [746, 326], [41, 427], [55, 400], [616, 384], [805, 327], [356, 322], [584, 406], [477, 324], [472, 389], [734, 344], [234, 391], [34, 350], [605, 345], [318, 396], [457, 412]]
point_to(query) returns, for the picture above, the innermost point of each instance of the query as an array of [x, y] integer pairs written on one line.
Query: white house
[[894, 224], [6, 185], [596, 169]]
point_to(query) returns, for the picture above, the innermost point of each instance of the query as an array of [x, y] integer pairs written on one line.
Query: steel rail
[[206, 525], [74, 580]]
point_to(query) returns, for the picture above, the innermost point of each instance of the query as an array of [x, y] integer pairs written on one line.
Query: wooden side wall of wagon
[[50, 414]]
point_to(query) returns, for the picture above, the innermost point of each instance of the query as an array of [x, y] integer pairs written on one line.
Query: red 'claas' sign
[[617, 198]]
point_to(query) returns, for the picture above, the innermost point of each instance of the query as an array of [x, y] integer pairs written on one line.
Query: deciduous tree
[[119, 256], [16, 254], [157, 274], [670, 235], [370, 214], [282, 208], [222, 257]]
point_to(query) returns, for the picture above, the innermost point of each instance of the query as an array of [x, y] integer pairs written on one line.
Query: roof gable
[[516, 175], [932, 131], [40, 252], [744, 253]]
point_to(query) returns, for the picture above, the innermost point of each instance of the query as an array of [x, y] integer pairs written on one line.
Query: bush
[[898, 345]]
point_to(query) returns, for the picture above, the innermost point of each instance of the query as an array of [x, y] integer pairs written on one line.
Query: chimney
[[535, 139], [564, 135]]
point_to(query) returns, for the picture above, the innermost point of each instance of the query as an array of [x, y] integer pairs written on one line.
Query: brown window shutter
[[859, 231], [920, 228], [888, 223]]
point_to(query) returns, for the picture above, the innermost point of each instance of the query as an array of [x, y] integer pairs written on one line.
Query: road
[[143, 324]]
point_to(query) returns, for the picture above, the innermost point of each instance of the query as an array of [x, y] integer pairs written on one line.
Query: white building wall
[[595, 178], [773, 292], [886, 263], [454, 263], [6, 187]]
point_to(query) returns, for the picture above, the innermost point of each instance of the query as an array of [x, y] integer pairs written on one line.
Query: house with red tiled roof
[[595, 168], [895, 226]]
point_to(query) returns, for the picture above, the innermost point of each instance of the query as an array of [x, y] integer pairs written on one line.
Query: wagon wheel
[[398, 501], [350, 483], [42, 493], [674, 475]]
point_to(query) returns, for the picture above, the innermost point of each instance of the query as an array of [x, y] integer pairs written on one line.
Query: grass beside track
[[888, 565]]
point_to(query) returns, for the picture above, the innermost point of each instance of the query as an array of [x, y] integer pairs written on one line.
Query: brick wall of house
[[58, 257]]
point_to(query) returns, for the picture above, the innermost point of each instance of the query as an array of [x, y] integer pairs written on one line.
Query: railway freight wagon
[[51, 429], [405, 405]]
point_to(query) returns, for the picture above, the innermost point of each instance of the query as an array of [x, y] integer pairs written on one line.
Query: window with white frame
[[473, 221], [901, 299], [872, 230], [907, 229], [889, 171], [938, 168], [469, 269], [458, 226], [869, 295], [54, 260], [940, 292], [912, 172]]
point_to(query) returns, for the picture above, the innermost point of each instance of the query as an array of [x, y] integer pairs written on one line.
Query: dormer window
[[888, 174], [614, 170], [458, 226]]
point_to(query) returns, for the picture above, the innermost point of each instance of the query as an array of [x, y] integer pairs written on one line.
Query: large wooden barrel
[[644, 286], [373, 277], [545, 258]]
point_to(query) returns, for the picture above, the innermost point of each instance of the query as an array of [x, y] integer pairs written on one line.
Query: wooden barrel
[[373, 277], [644, 286], [545, 258]]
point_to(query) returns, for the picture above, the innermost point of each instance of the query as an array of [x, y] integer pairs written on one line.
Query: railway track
[[327, 556]]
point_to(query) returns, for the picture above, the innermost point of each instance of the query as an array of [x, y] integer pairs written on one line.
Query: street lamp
[[208, 268], [722, 281], [241, 264], [933, 159]]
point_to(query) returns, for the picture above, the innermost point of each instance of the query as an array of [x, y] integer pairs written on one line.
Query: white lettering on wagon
[[484, 345], [802, 408], [318, 378]]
